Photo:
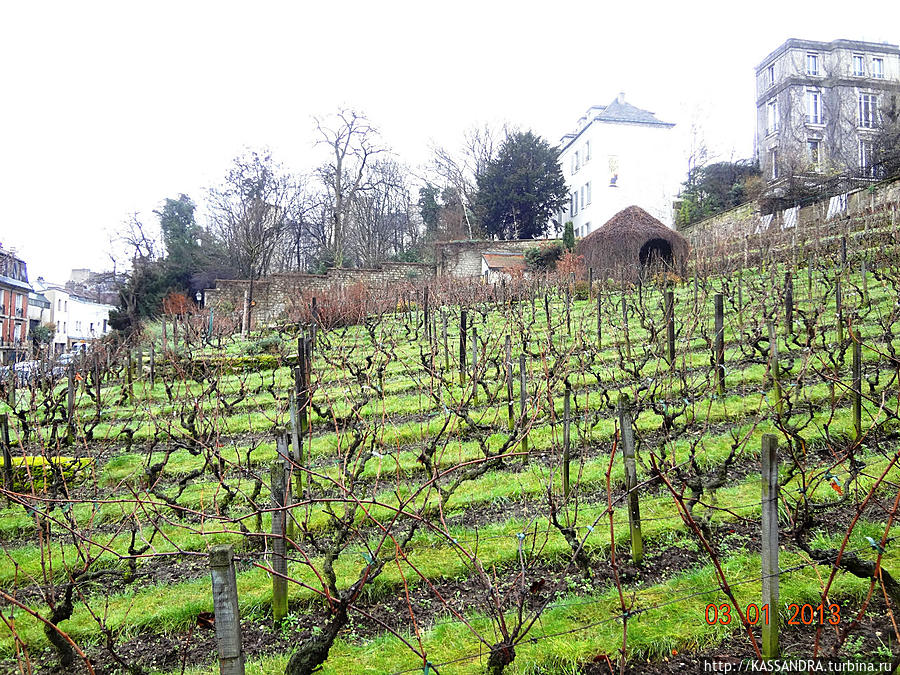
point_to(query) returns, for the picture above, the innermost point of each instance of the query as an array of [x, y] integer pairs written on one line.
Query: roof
[[15, 283], [617, 112], [497, 260]]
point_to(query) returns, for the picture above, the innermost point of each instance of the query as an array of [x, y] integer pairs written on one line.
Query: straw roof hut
[[630, 243]]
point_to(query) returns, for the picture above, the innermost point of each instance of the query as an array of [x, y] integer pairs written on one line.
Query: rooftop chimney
[[621, 97]]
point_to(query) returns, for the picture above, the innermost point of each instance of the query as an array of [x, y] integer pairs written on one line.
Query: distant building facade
[[77, 321], [618, 155], [818, 105], [14, 290]]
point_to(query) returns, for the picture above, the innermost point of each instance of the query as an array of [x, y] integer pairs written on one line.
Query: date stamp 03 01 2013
[[799, 614]]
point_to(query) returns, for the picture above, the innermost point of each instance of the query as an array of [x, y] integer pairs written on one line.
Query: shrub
[[581, 290], [544, 257]]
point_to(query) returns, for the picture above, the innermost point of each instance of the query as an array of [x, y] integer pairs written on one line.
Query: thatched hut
[[631, 243]]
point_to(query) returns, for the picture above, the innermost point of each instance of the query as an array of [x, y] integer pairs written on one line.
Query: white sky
[[109, 108]]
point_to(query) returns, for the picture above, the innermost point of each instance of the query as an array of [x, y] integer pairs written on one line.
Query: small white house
[[618, 156], [500, 265]]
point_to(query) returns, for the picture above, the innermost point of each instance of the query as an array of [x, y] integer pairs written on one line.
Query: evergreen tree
[[521, 189], [569, 236]]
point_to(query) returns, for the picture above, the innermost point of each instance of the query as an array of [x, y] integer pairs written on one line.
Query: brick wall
[[281, 294]]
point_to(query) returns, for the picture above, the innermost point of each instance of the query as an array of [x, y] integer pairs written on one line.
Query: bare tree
[[381, 224], [250, 212], [459, 171], [353, 142]]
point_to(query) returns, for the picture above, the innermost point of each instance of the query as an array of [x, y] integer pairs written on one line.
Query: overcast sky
[[108, 108]]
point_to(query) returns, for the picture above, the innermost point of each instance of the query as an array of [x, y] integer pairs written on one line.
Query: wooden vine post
[[839, 311], [857, 385], [474, 365], [7, 452], [770, 571], [227, 611], [774, 367], [462, 348], [70, 402], [788, 304], [720, 343], [634, 508], [523, 395], [510, 415], [446, 349], [566, 445], [670, 327], [278, 544]]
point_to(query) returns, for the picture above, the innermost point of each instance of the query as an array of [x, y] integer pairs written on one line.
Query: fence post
[[279, 559], [227, 612], [857, 385], [770, 570], [670, 326], [634, 509], [720, 343], [7, 452], [523, 394]]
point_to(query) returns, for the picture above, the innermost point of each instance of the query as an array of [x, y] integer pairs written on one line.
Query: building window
[[859, 65], [878, 68], [770, 76], [814, 151], [773, 161], [813, 107], [812, 64], [104, 326], [57, 326], [867, 106], [583, 199], [772, 116], [588, 186], [577, 160], [573, 163], [59, 305], [575, 203], [866, 163], [586, 230], [587, 151]]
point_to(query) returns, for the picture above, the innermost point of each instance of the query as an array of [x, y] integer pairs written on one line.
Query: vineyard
[[549, 475]]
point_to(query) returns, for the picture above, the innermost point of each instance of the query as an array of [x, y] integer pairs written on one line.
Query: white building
[[618, 156], [78, 321]]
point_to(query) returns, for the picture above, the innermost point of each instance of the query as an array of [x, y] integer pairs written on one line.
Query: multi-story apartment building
[[819, 104], [14, 290], [617, 156]]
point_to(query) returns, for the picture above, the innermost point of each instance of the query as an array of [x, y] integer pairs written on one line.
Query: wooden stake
[[227, 611], [523, 395], [770, 570], [634, 509], [857, 385], [720, 343], [279, 558]]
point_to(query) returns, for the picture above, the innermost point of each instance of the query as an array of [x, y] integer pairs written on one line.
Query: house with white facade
[[619, 155], [78, 321]]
